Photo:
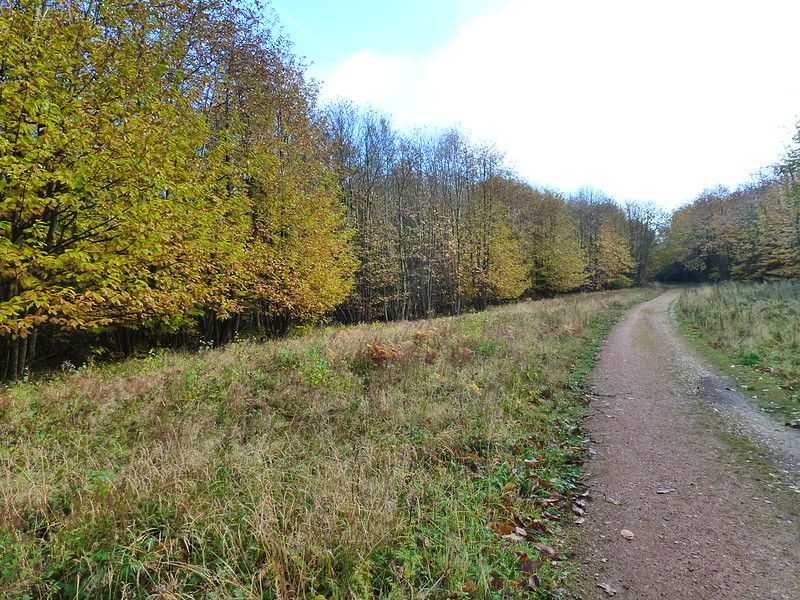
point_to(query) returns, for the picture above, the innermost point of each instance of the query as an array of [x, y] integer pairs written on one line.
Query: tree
[[98, 160], [613, 264], [778, 232], [604, 231], [750, 233], [557, 261], [161, 163], [644, 223]]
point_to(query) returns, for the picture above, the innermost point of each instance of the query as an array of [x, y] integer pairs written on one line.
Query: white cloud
[[645, 100], [372, 79]]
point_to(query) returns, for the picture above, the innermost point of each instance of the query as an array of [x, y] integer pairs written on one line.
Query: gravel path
[[706, 520]]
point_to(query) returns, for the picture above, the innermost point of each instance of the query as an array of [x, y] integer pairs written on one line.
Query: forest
[[169, 178]]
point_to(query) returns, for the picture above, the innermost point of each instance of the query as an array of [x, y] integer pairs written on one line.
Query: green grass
[[373, 461], [752, 332]]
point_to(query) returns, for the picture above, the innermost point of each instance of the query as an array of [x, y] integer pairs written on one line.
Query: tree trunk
[[14, 359], [22, 359]]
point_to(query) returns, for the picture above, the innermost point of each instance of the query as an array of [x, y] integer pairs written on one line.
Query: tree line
[[167, 176], [162, 171], [751, 233], [441, 226]]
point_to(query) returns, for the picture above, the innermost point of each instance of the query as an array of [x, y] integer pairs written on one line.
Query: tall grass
[[404, 460], [752, 325]]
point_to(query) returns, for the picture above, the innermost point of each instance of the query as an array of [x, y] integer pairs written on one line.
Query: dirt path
[[708, 520]]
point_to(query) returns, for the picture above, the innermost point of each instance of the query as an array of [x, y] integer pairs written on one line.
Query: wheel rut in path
[[706, 521]]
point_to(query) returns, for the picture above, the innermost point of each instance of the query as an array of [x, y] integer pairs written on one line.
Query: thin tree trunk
[[22, 360], [34, 337], [6, 359], [14, 356]]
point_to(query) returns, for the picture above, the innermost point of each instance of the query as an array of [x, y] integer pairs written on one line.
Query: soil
[[704, 480]]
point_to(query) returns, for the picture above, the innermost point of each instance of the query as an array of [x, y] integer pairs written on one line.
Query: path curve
[[706, 522]]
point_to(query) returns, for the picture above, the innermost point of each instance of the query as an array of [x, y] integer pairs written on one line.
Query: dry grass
[[757, 328], [353, 462]]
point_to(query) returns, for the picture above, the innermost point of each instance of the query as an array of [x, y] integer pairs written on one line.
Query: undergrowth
[[436, 458], [752, 331]]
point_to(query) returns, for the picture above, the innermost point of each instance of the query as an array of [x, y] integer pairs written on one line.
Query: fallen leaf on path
[[533, 582], [580, 521], [627, 534], [536, 527], [578, 511], [613, 501], [546, 550], [513, 537], [607, 588], [468, 587], [665, 490]]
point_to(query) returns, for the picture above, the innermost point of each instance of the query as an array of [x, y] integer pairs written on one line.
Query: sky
[[645, 100]]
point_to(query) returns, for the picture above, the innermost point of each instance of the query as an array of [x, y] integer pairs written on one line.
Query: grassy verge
[[437, 458], [751, 332]]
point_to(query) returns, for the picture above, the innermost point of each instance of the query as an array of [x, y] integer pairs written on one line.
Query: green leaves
[[156, 161], [750, 233]]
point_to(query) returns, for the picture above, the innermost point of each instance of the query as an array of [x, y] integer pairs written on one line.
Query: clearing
[[699, 476], [427, 459]]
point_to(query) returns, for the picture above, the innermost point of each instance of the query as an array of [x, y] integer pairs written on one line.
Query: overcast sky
[[648, 101]]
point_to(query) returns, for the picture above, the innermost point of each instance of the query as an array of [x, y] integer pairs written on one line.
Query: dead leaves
[[462, 355], [386, 354], [430, 356], [553, 499], [382, 355], [502, 528], [606, 587], [530, 568], [526, 565], [424, 334], [627, 534], [528, 488], [546, 550], [533, 582], [513, 533], [509, 486], [517, 530]]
